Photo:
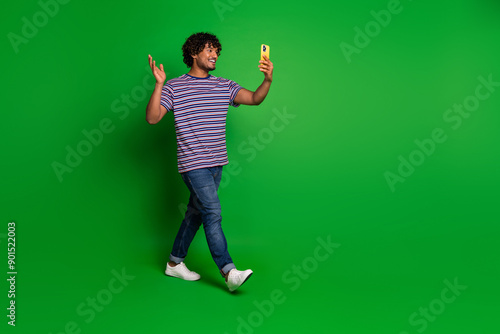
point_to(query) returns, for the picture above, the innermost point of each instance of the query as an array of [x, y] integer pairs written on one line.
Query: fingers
[[266, 65], [266, 61], [263, 67], [161, 67], [152, 64]]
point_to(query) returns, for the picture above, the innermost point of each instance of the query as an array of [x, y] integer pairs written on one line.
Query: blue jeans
[[203, 207]]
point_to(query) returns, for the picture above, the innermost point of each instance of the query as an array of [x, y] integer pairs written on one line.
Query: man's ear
[[195, 57]]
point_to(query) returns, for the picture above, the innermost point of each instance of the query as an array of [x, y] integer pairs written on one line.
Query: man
[[200, 102]]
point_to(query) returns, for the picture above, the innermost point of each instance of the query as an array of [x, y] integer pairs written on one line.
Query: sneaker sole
[[182, 278]]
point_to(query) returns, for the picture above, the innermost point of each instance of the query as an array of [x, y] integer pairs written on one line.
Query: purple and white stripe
[[200, 108]]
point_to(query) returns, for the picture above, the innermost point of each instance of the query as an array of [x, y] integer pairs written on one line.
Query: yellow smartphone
[[264, 50]]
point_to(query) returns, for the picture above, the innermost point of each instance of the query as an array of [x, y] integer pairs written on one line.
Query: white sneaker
[[181, 271], [236, 278]]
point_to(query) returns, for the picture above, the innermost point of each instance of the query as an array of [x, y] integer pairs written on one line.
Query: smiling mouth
[[212, 61]]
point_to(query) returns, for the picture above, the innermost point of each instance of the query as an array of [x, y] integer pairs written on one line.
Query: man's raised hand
[[159, 73], [266, 66]]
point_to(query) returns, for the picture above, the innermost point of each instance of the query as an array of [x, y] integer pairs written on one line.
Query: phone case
[[264, 50]]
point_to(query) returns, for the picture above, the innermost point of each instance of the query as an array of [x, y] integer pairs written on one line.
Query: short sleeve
[[167, 97], [234, 88]]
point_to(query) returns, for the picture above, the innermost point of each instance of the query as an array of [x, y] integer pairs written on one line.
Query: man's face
[[206, 58]]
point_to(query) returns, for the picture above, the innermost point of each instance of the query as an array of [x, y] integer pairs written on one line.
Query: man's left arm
[[248, 97]]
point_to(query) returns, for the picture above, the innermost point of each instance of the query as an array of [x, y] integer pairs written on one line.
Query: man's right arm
[[155, 111]]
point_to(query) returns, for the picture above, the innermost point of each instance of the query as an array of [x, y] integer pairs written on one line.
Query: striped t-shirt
[[200, 109]]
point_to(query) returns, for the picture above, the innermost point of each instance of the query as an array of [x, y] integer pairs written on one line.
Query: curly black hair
[[196, 43]]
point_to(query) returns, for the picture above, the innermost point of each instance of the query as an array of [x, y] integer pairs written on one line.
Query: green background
[[321, 176]]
